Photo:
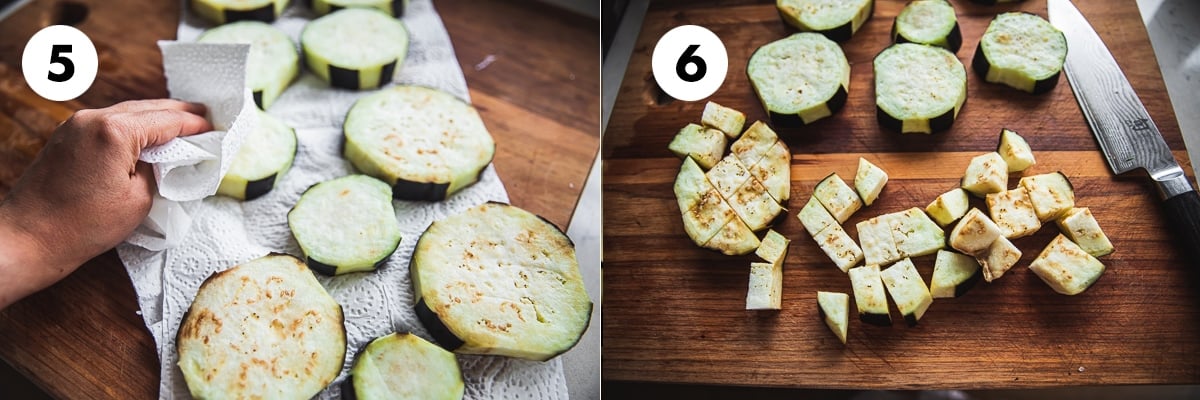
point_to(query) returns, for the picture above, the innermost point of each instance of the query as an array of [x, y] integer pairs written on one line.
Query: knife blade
[[1124, 130]]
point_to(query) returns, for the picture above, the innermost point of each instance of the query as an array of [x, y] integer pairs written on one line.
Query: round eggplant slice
[[499, 280], [345, 225], [394, 8], [226, 11], [272, 64], [355, 48], [1021, 50], [426, 143], [930, 22], [836, 19], [994, 2], [271, 308], [918, 88], [265, 156], [800, 79], [403, 366]]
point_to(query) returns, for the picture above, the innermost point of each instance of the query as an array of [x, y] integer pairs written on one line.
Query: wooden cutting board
[[675, 313]]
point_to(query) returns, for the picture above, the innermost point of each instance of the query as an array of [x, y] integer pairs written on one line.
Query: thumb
[[156, 127]]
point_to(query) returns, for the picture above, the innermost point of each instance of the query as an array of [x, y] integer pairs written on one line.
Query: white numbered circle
[[59, 63], [689, 62]]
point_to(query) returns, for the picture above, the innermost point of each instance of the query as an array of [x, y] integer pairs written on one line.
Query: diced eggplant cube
[[753, 205], [908, 290], [708, 217], [774, 170], [754, 144], [953, 274], [834, 308], [1052, 194], [837, 197], [727, 176], [915, 234], [766, 287], [987, 173], [734, 239], [999, 258], [869, 181], [1012, 211], [706, 146], [869, 295], [839, 247], [724, 119], [1081, 227], [974, 234], [875, 234], [1066, 267], [948, 207], [814, 217], [690, 184], [1015, 151], [774, 247]]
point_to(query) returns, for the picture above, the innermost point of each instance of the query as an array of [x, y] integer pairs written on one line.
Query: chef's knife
[[1123, 128]]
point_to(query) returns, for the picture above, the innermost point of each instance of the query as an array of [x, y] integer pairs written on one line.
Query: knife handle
[[1183, 213]]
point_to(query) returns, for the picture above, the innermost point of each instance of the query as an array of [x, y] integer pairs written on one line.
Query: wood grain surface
[[675, 313], [83, 338]]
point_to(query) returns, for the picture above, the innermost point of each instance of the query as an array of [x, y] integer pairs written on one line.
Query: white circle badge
[[59, 63], [689, 62]]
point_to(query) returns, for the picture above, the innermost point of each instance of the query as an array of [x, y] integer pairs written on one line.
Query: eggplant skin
[[349, 78], [217, 14], [940, 123], [968, 284], [876, 319], [980, 64], [953, 40], [433, 323], [394, 8]]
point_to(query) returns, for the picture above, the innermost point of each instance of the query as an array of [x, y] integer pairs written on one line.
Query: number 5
[[57, 57]]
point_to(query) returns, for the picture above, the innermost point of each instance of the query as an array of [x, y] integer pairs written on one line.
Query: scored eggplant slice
[[800, 79], [496, 279], [226, 11], [272, 63], [265, 156], [404, 366], [394, 8], [1021, 50], [918, 88], [345, 225], [271, 308], [836, 19], [931, 22], [355, 48], [424, 142]]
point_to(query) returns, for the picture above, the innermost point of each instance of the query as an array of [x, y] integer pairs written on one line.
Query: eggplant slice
[[265, 156], [403, 366], [931, 22], [394, 8], [496, 279], [345, 225], [226, 11], [425, 143], [272, 64], [271, 308], [355, 48], [918, 88], [1021, 50], [800, 79], [836, 19]]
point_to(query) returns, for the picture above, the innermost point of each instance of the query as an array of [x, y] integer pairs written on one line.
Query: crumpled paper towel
[[226, 232]]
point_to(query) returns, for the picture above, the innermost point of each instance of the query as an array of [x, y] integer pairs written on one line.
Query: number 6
[[57, 57], [689, 57]]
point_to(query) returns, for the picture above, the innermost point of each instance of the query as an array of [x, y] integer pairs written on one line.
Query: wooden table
[[82, 338], [674, 313]]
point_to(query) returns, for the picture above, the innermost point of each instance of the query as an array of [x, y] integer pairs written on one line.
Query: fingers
[[143, 186], [158, 104], [155, 127]]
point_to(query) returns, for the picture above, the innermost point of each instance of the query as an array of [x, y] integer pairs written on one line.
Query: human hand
[[85, 192]]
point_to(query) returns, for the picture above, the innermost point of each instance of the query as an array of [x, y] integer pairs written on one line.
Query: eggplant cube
[[834, 308], [754, 144], [878, 246], [1066, 267], [754, 206], [814, 217], [869, 295], [766, 286], [774, 170], [915, 234], [839, 247], [909, 292], [999, 258], [974, 234], [837, 197], [707, 217], [869, 181], [1081, 227], [1052, 194], [690, 184], [1012, 211], [734, 239], [1015, 151], [774, 248], [948, 207], [953, 274], [724, 119], [987, 173], [706, 146], [728, 175]]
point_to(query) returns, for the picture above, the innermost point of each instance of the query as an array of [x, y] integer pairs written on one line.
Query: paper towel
[[225, 232]]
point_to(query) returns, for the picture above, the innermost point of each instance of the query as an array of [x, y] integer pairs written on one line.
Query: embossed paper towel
[[226, 232]]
